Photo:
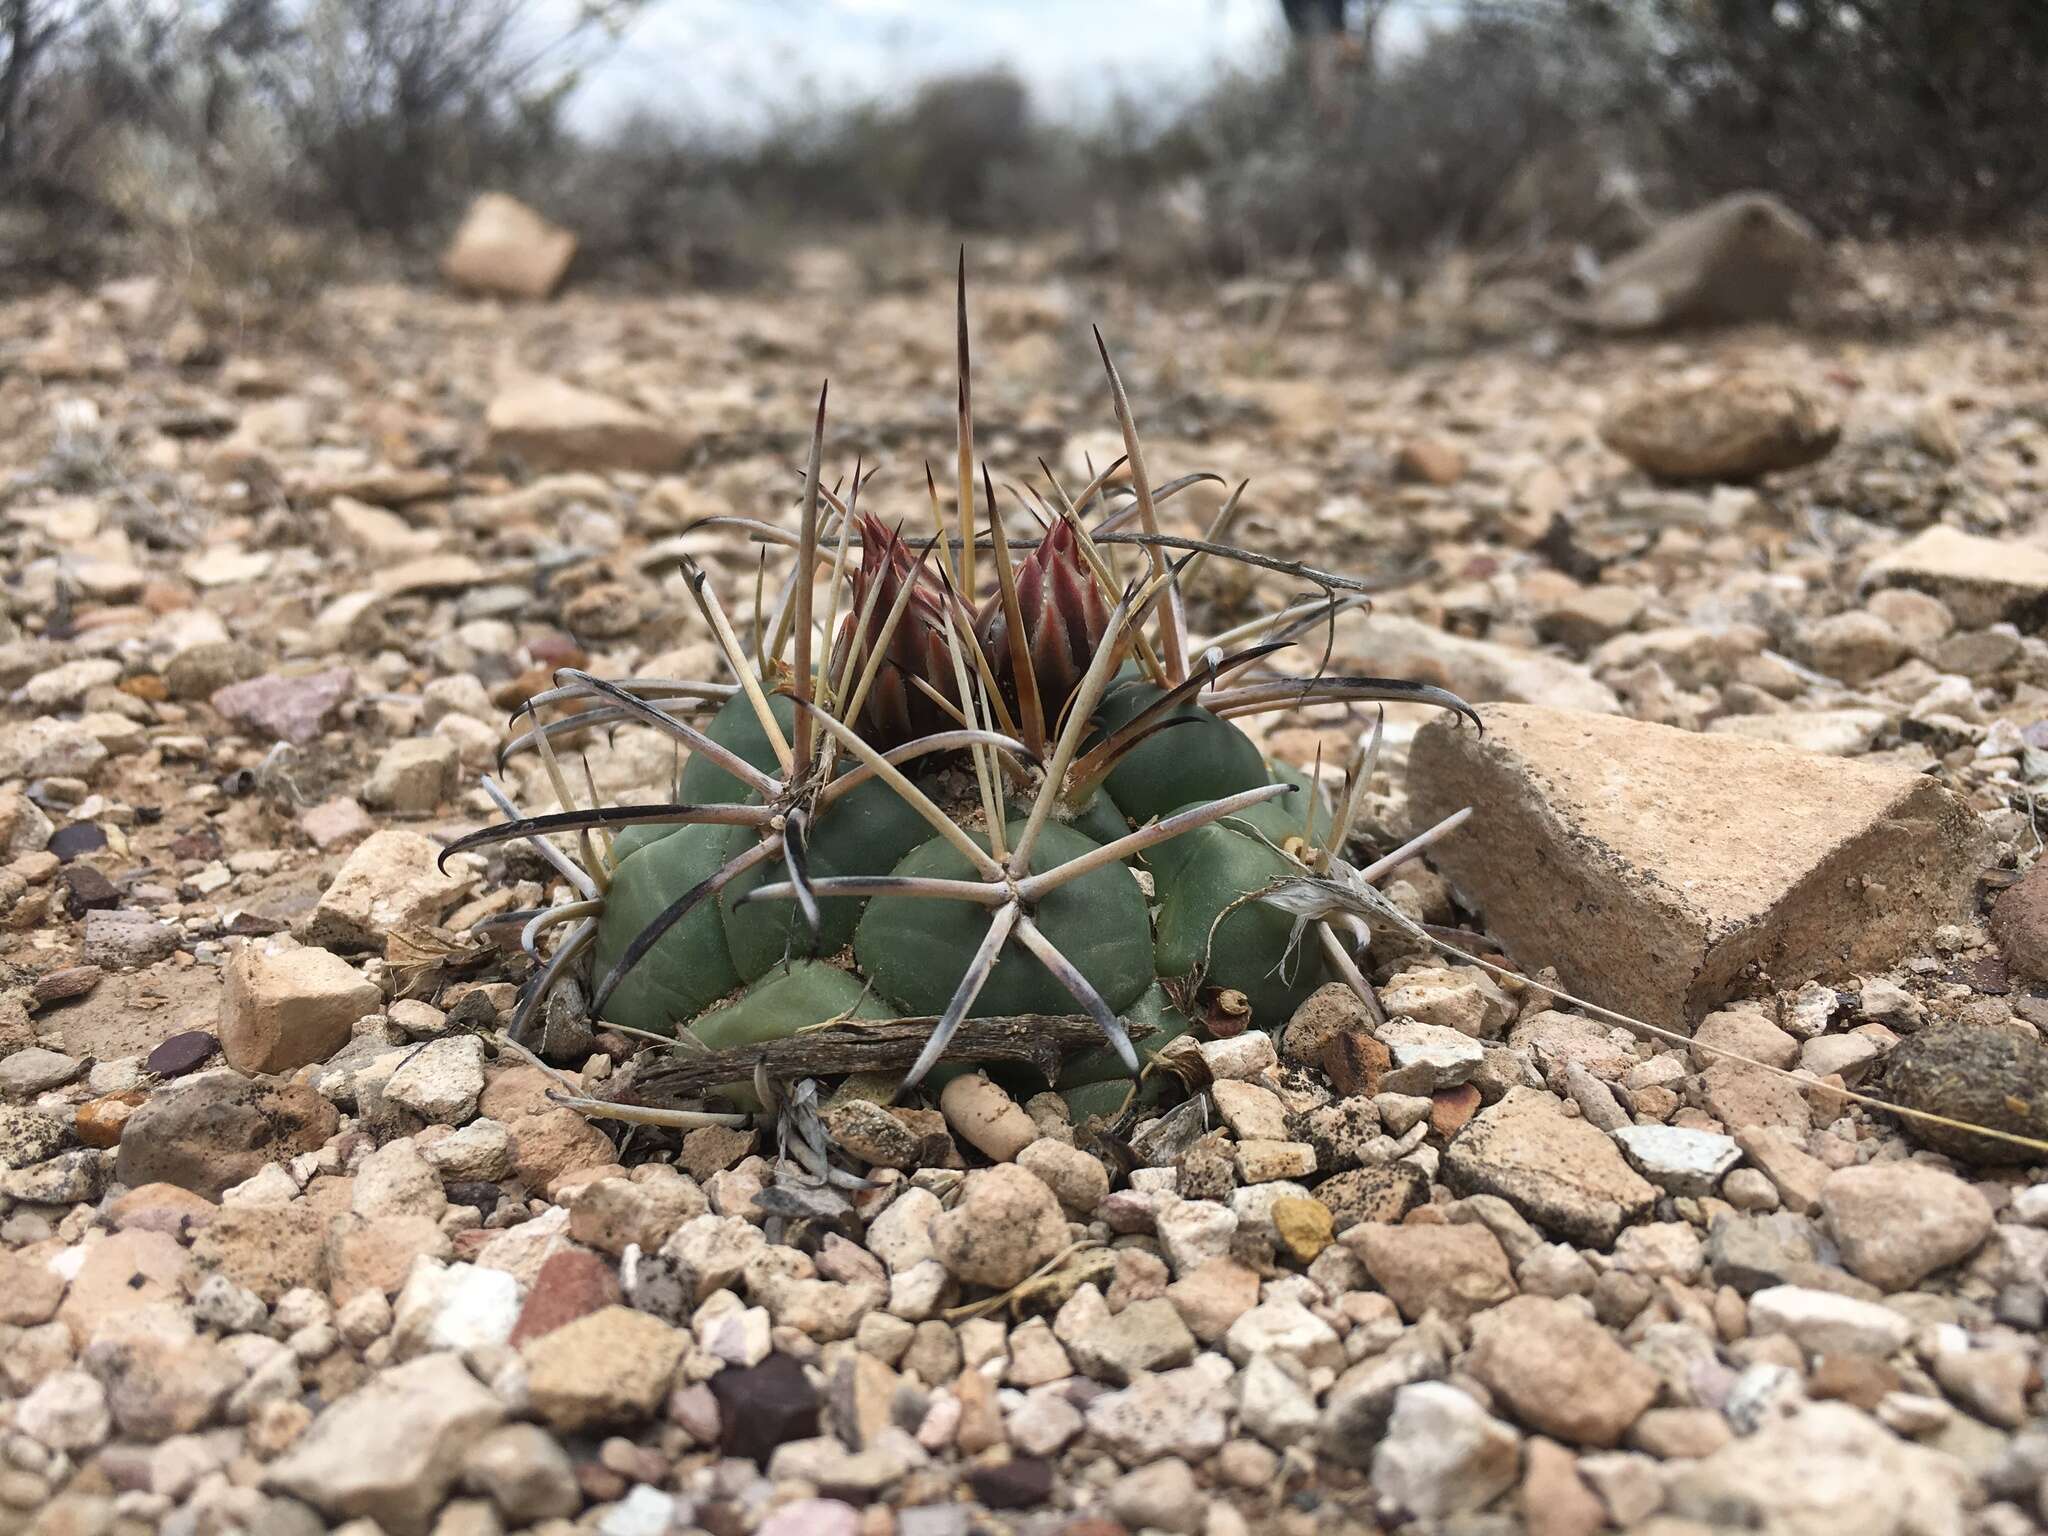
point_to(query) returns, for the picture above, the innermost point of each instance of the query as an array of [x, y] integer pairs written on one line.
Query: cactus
[[943, 787]]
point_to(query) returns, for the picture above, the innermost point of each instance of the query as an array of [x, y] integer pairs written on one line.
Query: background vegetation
[[251, 141]]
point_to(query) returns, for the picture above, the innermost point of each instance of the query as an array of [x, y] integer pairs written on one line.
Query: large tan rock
[[1559, 1371], [609, 1367], [286, 1006], [1743, 257], [391, 1451], [121, 1273], [503, 246], [210, 1132], [392, 880], [1733, 428], [1558, 1170], [1661, 870], [550, 425], [1981, 580]]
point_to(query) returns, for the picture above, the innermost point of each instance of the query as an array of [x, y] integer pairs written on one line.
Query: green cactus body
[[788, 998], [917, 951], [1205, 875], [1199, 757], [870, 829], [690, 966], [737, 728], [912, 953]]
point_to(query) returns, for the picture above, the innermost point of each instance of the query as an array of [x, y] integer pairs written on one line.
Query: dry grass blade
[[986, 782], [1101, 667], [1348, 972], [1030, 710], [966, 443], [699, 583], [593, 857], [1353, 804], [1161, 495], [1172, 627], [806, 579], [1158, 543], [1292, 692], [1415, 846]]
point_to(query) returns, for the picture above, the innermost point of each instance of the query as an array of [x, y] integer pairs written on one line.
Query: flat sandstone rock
[[1981, 579], [503, 246], [1663, 871]]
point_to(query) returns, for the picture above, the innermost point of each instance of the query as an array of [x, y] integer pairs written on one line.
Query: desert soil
[[270, 592]]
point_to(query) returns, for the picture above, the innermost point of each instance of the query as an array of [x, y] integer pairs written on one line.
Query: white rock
[[1677, 1159], [901, 1237], [1253, 1207], [729, 1330], [1443, 1454], [391, 1450], [1272, 1405], [1161, 1496], [712, 1250], [1287, 1328], [480, 1151], [1828, 1468], [1191, 1232], [1174, 1413], [222, 1305], [454, 1306], [66, 1412], [1822, 1323], [1043, 1423], [395, 1180], [441, 1080], [2030, 1206], [646, 1511], [1428, 1057], [270, 1185], [1245, 1056]]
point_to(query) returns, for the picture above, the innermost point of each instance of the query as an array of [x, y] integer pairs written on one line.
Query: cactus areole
[[948, 777]]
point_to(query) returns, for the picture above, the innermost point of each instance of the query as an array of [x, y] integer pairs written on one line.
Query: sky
[[732, 64]]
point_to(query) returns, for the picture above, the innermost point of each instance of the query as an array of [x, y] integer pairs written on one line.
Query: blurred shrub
[[1400, 160], [204, 127], [1870, 116], [396, 109], [649, 204]]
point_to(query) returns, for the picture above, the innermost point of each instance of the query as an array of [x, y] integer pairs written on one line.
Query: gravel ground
[[288, 1245]]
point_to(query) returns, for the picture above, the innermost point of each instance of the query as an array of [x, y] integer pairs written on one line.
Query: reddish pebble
[[1356, 1062], [1450, 1108], [572, 1284], [99, 1121]]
